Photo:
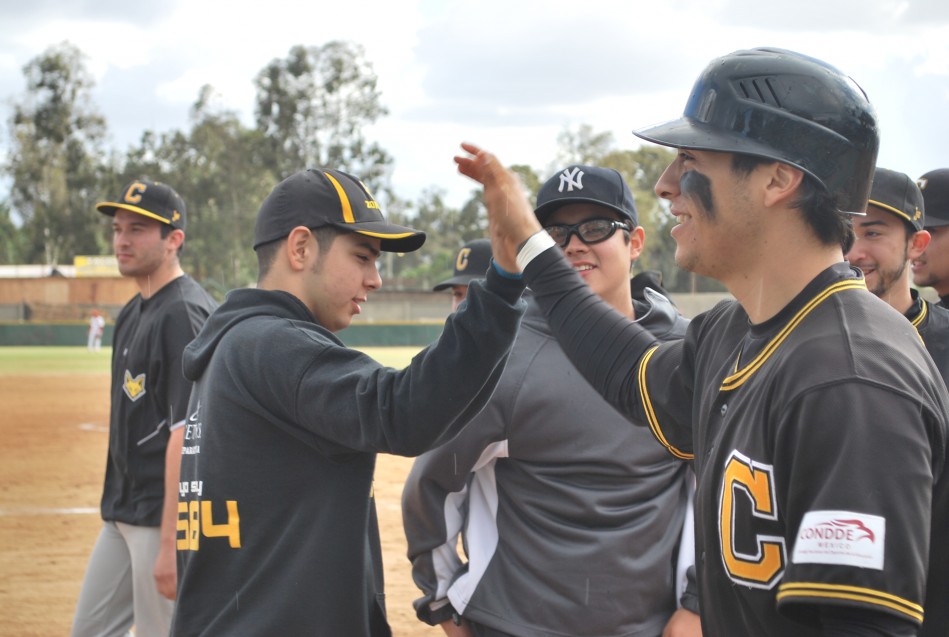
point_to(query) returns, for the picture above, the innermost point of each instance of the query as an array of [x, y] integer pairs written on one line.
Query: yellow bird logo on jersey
[[134, 387]]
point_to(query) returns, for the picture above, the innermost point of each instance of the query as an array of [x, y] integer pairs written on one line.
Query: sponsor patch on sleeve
[[841, 537]]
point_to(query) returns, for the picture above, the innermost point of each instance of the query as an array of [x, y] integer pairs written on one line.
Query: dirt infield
[[52, 457]]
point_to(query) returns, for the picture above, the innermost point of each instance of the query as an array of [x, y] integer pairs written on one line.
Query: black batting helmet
[[784, 106]]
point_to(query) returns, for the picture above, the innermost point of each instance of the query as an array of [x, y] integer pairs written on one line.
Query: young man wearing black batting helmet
[[277, 517], [815, 418], [131, 574], [888, 239]]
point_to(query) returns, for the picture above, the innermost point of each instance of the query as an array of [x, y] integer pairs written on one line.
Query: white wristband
[[537, 243]]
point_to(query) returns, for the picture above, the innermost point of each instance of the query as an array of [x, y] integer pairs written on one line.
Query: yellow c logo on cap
[[461, 263], [134, 193]]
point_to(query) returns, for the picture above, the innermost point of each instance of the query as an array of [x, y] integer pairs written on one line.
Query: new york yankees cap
[[935, 188], [151, 199], [586, 184], [896, 193], [471, 263], [318, 197]]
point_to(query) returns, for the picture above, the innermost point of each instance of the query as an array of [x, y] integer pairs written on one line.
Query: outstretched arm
[[511, 216], [603, 344]]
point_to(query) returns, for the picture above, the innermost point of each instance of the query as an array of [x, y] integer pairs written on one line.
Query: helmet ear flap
[[787, 107]]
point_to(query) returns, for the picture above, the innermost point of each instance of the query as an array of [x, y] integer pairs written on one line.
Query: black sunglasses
[[589, 231]]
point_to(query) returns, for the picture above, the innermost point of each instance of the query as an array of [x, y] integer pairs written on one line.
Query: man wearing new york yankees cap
[[572, 521], [889, 238], [280, 535], [131, 575]]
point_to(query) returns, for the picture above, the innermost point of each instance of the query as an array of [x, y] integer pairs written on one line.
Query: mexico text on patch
[[841, 537]]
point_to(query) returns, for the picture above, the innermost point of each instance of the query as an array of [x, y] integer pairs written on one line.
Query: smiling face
[[931, 269], [882, 250], [605, 266], [340, 278], [716, 225]]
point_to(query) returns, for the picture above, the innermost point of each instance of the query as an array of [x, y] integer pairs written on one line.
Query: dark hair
[[166, 230], [830, 226], [267, 253]]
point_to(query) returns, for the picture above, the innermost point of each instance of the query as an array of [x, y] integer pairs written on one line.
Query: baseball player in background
[[96, 328], [471, 263], [279, 532], [130, 579], [931, 269], [888, 239], [816, 420], [571, 519]]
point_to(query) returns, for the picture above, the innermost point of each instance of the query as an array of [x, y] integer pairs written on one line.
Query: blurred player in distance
[[96, 328]]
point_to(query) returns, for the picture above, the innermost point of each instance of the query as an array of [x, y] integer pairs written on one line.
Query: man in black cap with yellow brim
[[889, 238], [131, 576], [278, 524], [931, 269]]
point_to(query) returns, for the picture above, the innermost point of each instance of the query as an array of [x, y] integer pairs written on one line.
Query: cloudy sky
[[507, 74]]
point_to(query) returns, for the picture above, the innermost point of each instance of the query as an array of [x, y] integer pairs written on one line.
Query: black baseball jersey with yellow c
[[819, 439], [149, 395]]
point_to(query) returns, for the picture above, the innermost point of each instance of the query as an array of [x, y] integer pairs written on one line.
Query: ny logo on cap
[[571, 177]]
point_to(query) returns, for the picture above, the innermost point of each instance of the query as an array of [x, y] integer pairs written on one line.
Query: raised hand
[[510, 215]]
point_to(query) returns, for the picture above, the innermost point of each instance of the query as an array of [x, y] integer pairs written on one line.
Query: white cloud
[[507, 75]]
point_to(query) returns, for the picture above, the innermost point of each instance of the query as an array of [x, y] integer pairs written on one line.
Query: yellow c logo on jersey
[[749, 486], [134, 387]]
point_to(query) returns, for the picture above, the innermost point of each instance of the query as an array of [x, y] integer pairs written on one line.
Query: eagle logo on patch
[[134, 387]]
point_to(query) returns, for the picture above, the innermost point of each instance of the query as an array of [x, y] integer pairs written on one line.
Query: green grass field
[[77, 360]]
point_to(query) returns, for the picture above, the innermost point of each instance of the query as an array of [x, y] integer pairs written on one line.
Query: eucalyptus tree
[[56, 159]]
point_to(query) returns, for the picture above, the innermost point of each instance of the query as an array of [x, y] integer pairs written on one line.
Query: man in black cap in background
[[471, 263], [279, 532], [131, 574], [932, 268], [888, 240]]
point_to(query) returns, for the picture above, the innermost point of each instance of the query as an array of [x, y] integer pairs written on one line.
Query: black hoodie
[[277, 528]]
